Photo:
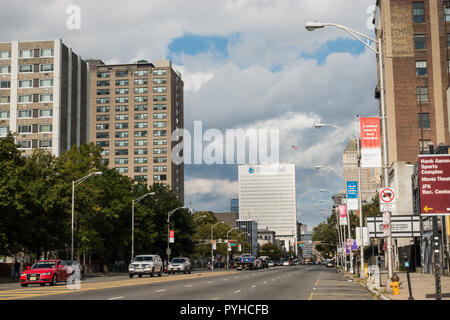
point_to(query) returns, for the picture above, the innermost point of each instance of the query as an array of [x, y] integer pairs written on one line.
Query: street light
[[168, 231], [318, 167], [203, 216], [212, 253], [355, 138], [132, 220], [74, 184], [311, 26]]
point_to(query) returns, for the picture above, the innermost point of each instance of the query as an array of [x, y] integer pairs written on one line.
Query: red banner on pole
[[172, 236], [370, 142]]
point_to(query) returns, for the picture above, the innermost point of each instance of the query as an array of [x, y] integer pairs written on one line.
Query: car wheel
[[152, 274], [42, 284], [54, 280], [185, 271], [160, 272], [24, 284], [140, 275], [130, 275]]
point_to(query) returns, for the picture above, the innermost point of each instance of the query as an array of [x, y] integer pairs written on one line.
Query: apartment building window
[[140, 124], [25, 83], [25, 113], [104, 153], [159, 107], [159, 98], [122, 91], [4, 130], [4, 114], [121, 134], [140, 178], [425, 146], [102, 100], [140, 99], [122, 125], [140, 143], [160, 115], [140, 151], [102, 74], [140, 81], [159, 72], [121, 161], [160, 177], [420, 41], [103, 83], [121, 169], [45, 83], [27, 128], [140, 133], [5, 54], [46, 52], [140, 107], [159, 124], [45, 128], [45, 113], [160, 168], [122, 73], [447, 11], [45, 143], [159, 150], [26, 68], [24, 144], [103, 117], [101, 92], [121, 117], [121, 143], [4, 99], [102, 126], [121, 99], [141, 169], [121, 152], [159, 80], [5, 84], [47, 67], [140, 160], [422, 94], [121, 108], [26, 54], [418, 12], [159, 89], [140, 116], [159, 159], [159, 133], [122, 82], [140, 90], [424, 120], [26, 98], [140, 73], [45, 97], [102, 135], [103, 109], [157, 142], [5, 69], [421, 68]]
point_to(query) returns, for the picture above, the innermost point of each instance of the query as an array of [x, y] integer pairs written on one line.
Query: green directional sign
[[233, 244]]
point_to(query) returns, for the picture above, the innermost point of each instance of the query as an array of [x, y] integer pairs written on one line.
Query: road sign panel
[[384, 207], [387, 195]]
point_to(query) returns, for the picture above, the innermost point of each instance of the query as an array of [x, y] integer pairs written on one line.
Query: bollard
[[395, 284]]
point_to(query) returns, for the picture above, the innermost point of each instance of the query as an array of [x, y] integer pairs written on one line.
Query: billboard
[[370, 142], [404, 226], [434, 184]]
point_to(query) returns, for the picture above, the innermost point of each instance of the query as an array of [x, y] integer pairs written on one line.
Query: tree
[[271, 250]]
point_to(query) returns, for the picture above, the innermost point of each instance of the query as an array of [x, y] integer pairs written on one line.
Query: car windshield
[[44, 264], [145, 258], [178, 260]]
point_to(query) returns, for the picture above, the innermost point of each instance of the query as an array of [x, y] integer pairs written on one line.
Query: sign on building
[[404, 226], [352, 195], [370, 142], [434, 183]]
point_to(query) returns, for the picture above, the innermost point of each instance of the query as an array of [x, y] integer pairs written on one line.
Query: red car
[[44, 271]]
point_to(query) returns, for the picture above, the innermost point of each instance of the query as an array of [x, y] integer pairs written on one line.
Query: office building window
[[4, 114], [162, 115], [140, 160], [421, 68], [122, 91], [140, 90], [121, 161], [5, 69], [45, 83], [121, 108], [46, 67], [141, 169], [159, 150], [103, 74], [102, 126], [140, 116], [25, 83], [4, 99], [25, 113], [26, 68], [103, 117], [121, 117], [45, 113], [4, 130], [26, 54], [159, 72], [140, 151], [159, 89], [159, 80], [158, 142], [24, 128], [45, 128], [160, 177], [121, 143], [123, 82], [122, 170], [26, 98], [140, 143], [422, 94], [159, 133], [102, 100], [140, 107], [140, 81], [140, 133], [102, 135], [122, 125], [101, 92], [159, 124], [424, 120], [45, 97], [121, 152], [121, 99], [140, 124], [159, 98], [103, 83], [418, 12], [420, 41], [140, 73], [5, 54], [140, 99], [103, 109], [5, 84], [104, 153], [160, 168], [122, 73], [46, 52]]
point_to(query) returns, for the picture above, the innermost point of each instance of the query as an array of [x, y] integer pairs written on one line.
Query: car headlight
[[130, 266], [46, 273], [23, 274]]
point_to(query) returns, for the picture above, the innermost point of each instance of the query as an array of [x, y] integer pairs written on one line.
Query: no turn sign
[[387, 200]]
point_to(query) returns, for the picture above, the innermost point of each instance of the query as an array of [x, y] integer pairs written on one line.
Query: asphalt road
[[303, 282]]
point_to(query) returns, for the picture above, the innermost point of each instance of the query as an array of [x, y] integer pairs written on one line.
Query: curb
[[379, 295]]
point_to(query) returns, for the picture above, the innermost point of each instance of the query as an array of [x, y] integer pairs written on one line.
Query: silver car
[[179, 265], [146, 264]]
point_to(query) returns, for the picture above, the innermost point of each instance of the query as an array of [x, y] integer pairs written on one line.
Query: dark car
[[279, 263]]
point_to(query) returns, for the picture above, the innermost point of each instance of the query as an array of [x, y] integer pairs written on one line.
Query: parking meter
[[406, 261]]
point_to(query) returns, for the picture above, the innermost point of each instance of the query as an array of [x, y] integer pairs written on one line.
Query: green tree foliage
[[272, 251]]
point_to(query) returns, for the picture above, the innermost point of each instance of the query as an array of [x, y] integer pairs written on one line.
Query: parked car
[[286, 263], [297, 262], [330, 264], [179, 265], [43, 272], [146, 264], [279, 263], [271, 263]]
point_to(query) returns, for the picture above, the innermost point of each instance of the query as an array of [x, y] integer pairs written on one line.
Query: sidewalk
[[422, 286]]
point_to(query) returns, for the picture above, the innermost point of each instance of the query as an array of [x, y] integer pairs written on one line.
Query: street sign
[[171, 236], [352, 195], [404, 226], [434, 183]]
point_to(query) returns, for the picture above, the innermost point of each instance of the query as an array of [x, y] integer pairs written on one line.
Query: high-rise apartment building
[[43, 95], [134, 109], [416, 64], [267, 195]]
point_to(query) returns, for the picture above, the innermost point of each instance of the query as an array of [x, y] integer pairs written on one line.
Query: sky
[[246, 64]]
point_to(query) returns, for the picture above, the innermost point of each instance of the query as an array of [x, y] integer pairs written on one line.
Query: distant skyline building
[[43, 95], [267, 195], [234, 205], [251, 231]]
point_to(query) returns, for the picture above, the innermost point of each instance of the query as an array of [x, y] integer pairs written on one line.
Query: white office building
[[267, 195]]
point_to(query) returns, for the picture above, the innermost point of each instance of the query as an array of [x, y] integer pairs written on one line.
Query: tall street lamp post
[[168, 232], [74, 184], [212, 237], [311, 26], [132, 220]]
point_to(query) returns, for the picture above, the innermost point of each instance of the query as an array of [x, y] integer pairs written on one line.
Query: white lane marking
[[273, 279], [188, 286], [115, 298], [265, 282], [210, 282], [225, 279], [162, 290], [216, 298], [237, 291], [253, 285]]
